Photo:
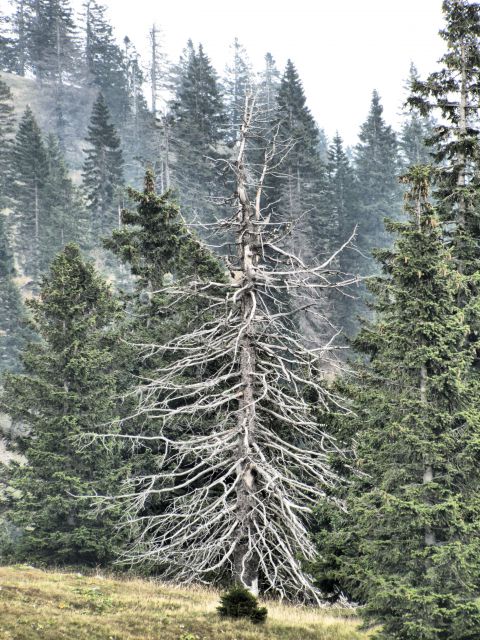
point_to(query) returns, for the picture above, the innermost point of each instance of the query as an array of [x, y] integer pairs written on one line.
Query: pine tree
[[377, 165], [13, 331], [300, 190], [52, 37], [102, 169], [411, 539], [268, 85], [198, 127], [343, 206], [105, 62], [65, 211], [416, 131], [157, 247], [66, 390], [452, 93], [238, 80], [138, 132], [7, 128], [15, 41], [30, 170]]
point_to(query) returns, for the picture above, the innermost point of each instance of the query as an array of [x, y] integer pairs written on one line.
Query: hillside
[[52, 606], [77, 104]]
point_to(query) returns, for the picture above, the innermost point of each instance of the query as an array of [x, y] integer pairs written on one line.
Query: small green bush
[[240, 603]]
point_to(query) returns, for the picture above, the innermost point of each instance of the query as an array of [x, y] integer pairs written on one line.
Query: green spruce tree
[[105, 61], [7, 128], [52, 40], [13, 330], [66, 390], [343, 206], [410, 542], [103, 170], [417, 129], [299, 189], [198, 128], [65, 211], [157, 247], [452, 94], [30, 171], [377, 168]]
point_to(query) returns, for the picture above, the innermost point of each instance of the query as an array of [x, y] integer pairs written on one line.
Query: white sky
[[343, 49]]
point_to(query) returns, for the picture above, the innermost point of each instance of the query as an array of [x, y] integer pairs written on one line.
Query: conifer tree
[[268, 85], [52, 37], [65, 211], [7, 128], [15, 49], [343, 205], [30, 170], [102, 169], [452, 93], [416, 131], [238, 80], [377, 167], [411, 538], [198, 127], [300, 190], [13, 332], [105, 61], [156, 246], [65, 391]]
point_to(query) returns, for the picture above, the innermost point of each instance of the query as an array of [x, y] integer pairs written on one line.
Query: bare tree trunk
[[245, 560]]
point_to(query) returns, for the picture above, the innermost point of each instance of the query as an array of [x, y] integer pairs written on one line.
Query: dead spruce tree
[[243, 459]]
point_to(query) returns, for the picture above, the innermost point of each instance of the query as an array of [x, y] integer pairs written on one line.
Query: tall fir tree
[[7, 129], [452, 93], [238, 80], [343, 207], [30, 171], [377, 166], [377, 169], [13, 330], [103, 169], [268, 85], [15, 51], [66, 390], [65, 210], [53, 42], [105, 61], [417, 129], [410, 541], [198, 128], [300, 188]]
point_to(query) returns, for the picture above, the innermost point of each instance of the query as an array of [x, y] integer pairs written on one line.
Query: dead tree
[[243, 389]]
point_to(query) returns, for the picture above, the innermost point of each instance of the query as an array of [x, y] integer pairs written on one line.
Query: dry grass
[[40, 605]]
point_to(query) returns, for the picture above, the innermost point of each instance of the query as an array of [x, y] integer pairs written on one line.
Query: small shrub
[[240, 603]]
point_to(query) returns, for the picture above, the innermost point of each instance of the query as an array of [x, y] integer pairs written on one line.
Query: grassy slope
[[38, 605]]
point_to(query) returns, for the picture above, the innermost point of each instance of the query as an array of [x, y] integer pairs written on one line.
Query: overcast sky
[[343, 49]]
